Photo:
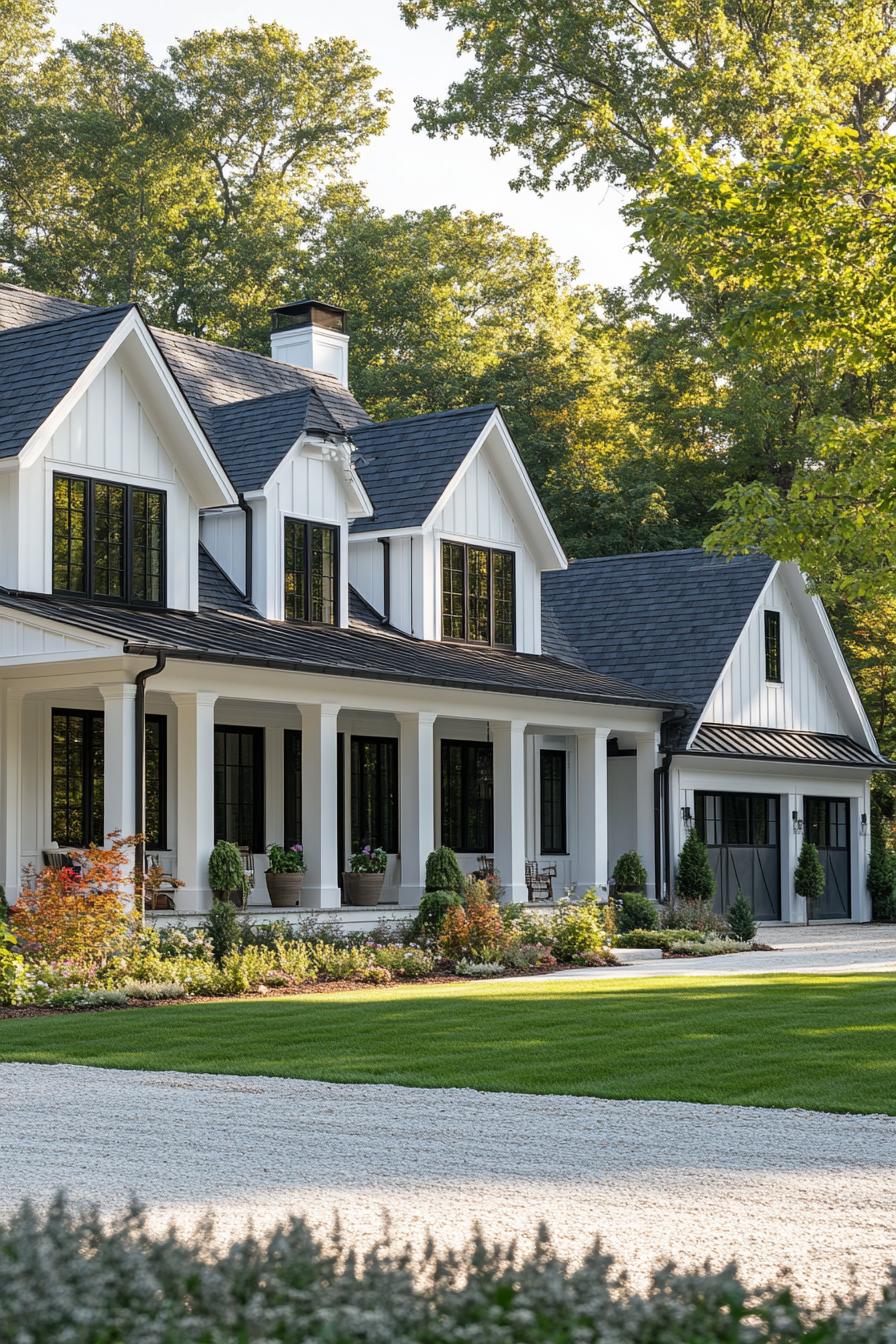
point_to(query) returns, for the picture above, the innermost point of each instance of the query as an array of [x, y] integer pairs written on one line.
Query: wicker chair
[[540, 881], [248, 859], [160, 896]]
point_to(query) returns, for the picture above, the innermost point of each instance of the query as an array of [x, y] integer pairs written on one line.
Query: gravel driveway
[[655, 1179]]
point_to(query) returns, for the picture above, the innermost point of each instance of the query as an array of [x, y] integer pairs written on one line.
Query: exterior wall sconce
[[687, 818], [863, 824], [797, 821]]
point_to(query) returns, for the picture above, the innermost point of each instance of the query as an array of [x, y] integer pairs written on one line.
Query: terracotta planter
[[363, 888], [284, 889]]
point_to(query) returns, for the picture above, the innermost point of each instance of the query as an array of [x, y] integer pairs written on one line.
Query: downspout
[[387, 581], [662, 811], [247, 510], [140, 775]]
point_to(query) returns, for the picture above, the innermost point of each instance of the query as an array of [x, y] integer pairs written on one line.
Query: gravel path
[[654, 1179]]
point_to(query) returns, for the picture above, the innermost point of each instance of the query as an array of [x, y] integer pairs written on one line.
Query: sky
[[402, 170]]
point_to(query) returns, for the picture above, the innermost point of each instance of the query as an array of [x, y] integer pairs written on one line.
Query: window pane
[[736, 826], [374, 793], [478, 622], [108, 540], [76, 770], [292, 787], [147, 545], [156, 781], [294, 562], [553, 802], [323, 575], [772, 646], [69, 535], [452, 590], [503, 575], [239, 786], [467, 797]]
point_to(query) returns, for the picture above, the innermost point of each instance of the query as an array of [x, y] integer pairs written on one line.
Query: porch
[[256, 757]]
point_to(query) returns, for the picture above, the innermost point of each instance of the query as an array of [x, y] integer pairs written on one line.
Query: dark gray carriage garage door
[[827, 826], [742, 833]]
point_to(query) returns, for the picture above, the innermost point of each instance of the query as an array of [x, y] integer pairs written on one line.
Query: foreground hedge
[[66, 1280]]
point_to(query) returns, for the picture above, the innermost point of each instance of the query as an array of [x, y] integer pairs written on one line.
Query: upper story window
[[478, 595], [108, 540], [773, 646], [311, 572]]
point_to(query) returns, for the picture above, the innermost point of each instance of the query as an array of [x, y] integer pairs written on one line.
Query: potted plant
[[227, 875], [808, 879], [362, 886], [285, 874]]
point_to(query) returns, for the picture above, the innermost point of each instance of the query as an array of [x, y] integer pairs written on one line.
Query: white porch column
[[509, 790], [12, 792], [195, 795], [416, 823], [647, 746], [591, 794], [320, 810], [119, 755]]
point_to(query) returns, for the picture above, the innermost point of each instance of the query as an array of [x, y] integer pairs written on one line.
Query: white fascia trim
[[496, 420], [374, 533], [729, 660], [133, 324], [104, 644], [358, 503]]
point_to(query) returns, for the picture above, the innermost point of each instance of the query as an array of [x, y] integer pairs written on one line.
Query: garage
[[742, 834], [826, 822]]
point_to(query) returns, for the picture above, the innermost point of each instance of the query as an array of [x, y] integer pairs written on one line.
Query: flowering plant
[[282, 860], [369, 860]]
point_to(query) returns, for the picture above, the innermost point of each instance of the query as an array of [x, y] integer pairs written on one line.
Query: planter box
[[363, 888], [284, 889]]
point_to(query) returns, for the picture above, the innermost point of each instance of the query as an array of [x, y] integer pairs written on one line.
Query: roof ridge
[[675, 550], [42, 294], [431, 415], [267, 396], [72, 317]]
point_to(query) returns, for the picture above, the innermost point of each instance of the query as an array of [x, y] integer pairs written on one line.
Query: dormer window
[[478, 595], [773, 646], [108, 540], [310, 567]]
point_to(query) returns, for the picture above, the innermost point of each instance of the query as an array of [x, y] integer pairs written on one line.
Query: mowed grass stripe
[[820, 1042]]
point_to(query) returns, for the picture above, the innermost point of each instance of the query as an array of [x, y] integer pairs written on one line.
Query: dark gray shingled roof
[[252, 437], [666, 620], [381, 655], [216, 589], [783, 744], [41, 363], [406, 464]]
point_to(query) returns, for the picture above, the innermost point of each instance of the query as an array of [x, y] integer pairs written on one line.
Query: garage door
[[742, 833], [827, 826]]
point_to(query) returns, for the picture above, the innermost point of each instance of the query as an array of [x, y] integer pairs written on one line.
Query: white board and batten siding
[[804, 699], [223, 534], [107, 435]]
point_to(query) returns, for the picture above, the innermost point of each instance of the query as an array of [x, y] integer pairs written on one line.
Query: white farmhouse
[[232, 606]]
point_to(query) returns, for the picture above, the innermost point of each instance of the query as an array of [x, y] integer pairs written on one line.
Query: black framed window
[[77, 777], [239, 786], [827, 822], [292, 787], [737, 819], [773, 646], [108, 540], [311, 572], [478, 595], [374, 786], [552, 772], [156, 772], [468, 822]]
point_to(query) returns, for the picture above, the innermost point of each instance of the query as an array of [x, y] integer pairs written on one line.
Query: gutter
[[387, 580], [247, 510], [140, 774], [662, 810]]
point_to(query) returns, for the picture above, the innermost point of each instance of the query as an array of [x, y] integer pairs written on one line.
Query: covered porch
[[262, 756]]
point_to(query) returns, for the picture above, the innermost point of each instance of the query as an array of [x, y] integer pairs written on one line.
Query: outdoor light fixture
[[797, 822], [863, 828], [687, 818]]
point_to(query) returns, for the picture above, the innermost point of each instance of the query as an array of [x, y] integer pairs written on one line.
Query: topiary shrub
[[434, 906], [630, 873], [740, 919], [443, 872], [881, 876], [808, 880], [635, 911], [694, 880], [223, 929], [226, 873]]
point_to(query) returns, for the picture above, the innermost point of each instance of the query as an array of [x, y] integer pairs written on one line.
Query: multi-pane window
[[467, 797], [737, 819], [553, 802], [478, 595], [773, 646], [239, 786], [827, 822], [76, 786], [292, 787], [108, 540], [311, 572], [374, 785]]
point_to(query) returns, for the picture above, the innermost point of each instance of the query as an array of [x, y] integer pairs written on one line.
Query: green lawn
[[821, 1042]]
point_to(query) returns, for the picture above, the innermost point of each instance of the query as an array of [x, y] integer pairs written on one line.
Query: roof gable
[[252, 437]]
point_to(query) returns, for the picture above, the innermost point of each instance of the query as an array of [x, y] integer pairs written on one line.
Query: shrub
[[226, 872], [808, 879], [178, 941], [443, 872], [694, 880], [82, 916], [222, 928], [523, 956], [711, 946], [629, 873], [579, 928], [294, 959], [740, 920], [478, 970], [881, 877], [407, 963], [4, 906], [338, 963], [282, 860], [661, 938], [73, 999], [475, 931], [17, 978], [375, 975], [636, 911], [697, 915], [150, 990], [434, 905]]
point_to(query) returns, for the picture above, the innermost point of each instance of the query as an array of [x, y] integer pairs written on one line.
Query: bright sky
[[403, 171]]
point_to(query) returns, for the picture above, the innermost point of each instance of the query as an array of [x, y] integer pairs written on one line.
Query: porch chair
[[160, 896], [486, 868], [540, 881], [249, 869], [57, 859]]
